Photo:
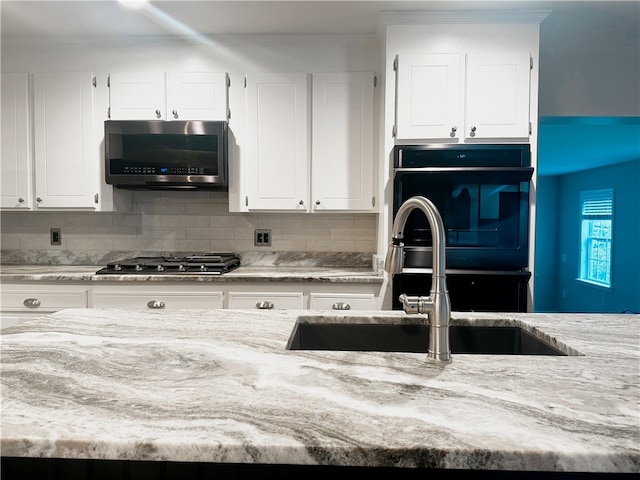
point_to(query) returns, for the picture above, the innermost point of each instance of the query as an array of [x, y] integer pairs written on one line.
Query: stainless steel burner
[[203, 263]]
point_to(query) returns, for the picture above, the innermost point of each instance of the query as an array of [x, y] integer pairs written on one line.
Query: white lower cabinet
[[266, 300], [24, 301], [144, 297], [342, 301], [20, 302]]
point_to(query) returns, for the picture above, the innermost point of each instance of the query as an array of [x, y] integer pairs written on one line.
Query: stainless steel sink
[[312, 333]]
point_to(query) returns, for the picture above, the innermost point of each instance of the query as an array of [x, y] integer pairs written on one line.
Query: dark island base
[[13, 468]]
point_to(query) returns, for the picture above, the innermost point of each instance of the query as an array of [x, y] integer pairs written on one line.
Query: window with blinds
[[596, 217]]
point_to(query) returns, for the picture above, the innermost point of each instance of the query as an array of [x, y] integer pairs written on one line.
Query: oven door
[[485, 211]]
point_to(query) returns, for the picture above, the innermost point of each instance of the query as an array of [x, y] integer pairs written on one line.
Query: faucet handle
[[410, 304]]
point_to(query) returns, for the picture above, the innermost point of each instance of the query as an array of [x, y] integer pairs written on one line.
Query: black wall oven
[[482, 193]]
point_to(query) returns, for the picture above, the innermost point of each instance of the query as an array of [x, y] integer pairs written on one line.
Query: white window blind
[[596, 215], [597, 203]]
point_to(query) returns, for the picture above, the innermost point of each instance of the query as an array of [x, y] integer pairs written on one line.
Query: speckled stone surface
[[220, 386], [263, 259], [72, 273]]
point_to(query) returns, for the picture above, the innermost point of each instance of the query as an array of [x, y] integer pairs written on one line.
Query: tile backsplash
[[179, 222]]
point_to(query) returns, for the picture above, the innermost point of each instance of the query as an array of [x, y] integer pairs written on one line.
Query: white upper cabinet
[[430, 96], [174, 96], [292, 162], [497, 96], [463, 97], [342, 141], [137, 96], [15, 159], [277, 142], [65, 158], [197, 96]]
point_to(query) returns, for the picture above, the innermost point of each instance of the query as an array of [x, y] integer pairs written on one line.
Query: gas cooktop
[[193, 264]]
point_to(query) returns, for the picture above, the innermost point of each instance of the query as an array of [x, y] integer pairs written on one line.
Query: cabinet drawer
[[267, 301], [44, 300], [156, 300], [338, 301]]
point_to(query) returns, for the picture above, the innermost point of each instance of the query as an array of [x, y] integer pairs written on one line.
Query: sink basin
[[407, 337]]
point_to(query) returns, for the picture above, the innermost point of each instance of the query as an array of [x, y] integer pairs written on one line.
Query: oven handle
[[520, 174], [521, 170]]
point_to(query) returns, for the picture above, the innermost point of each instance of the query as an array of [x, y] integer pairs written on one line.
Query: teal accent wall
[[558, 253], [547, 257]]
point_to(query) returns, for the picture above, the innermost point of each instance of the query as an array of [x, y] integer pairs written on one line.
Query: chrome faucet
[[437, 304]]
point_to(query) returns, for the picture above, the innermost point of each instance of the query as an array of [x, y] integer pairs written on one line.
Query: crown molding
[[426, 17]]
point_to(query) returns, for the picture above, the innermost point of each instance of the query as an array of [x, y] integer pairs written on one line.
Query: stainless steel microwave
[[166, 155]]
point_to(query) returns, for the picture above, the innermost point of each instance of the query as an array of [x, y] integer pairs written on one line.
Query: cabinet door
[[342, 133], [497, 88], [137, 96], [266, 301], [15, 159], [66, 160], [197, 96], [430, 92], [277, 152]]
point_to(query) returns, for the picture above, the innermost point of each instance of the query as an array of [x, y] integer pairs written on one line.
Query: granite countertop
[[220, 386], [76, 273]]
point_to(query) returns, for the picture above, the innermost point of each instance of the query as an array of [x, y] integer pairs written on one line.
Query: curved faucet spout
[[437, 304]]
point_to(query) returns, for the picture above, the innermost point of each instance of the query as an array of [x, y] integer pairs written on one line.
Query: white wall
[[590, 61]]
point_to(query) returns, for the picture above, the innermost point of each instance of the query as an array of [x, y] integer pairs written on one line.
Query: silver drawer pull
[[340, 306], [155, 304], [31, 302], [264, 305]]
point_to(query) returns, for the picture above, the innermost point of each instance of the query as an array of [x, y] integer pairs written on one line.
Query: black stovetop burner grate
[[197, 263]]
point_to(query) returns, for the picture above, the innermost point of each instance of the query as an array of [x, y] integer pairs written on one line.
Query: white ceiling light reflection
[[166, 21], [134, 4]]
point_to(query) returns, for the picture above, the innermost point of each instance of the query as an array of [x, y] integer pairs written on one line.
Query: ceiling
[[571, 26], [88, 18]]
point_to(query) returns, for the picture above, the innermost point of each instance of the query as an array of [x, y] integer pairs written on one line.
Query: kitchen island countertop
[[220, 386]]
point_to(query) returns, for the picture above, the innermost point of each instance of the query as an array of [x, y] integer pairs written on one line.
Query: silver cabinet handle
[[175, 114], [473, 131], [158, 114], [31, 302], [317, 202], [38, 199], [155, 304], [301, 202], [453, 131], [264, 305], [21, 200], [340, 306]]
